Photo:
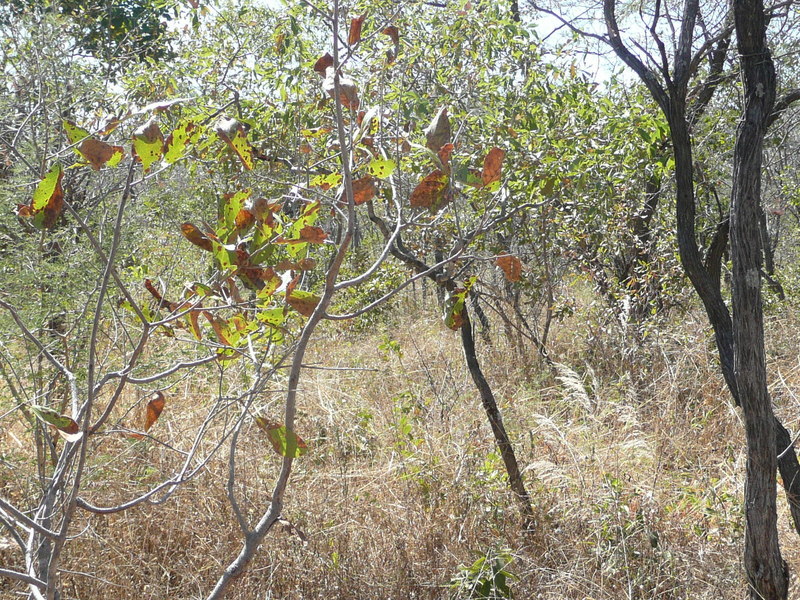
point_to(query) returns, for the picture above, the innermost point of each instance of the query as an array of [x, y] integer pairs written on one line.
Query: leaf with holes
[[284, 441], [511, 266], [356, 25], [197, 237], [100, 154], [233, 133], [148, 144], [303, 302], [65, 425], [154, 408], [326, 182], [178, 140], [492, 166], [432, 192], [381, 168]]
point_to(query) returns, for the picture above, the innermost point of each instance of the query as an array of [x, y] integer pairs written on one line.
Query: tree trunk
[[766, 571]]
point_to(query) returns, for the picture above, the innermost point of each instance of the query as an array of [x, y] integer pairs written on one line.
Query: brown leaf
[[154, 408], [197, 237], [511, 266], [432, 192], [322, 64], [364, 190], [99, 153], [492, 165], [303, 302], [437, 134], [313, 235], [348, 93], [218, 326], [445, 152], [244, 219], [355, 30], [393, 33]]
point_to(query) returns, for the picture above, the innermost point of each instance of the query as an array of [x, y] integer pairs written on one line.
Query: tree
[[739, 340]]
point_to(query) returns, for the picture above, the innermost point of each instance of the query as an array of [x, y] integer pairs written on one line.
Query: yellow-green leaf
[[148, 143]]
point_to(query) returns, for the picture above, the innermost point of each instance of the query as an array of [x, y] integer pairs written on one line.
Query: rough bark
[[766, 571]]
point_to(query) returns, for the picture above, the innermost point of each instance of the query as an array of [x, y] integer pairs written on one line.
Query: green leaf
[[48, 200], [178, 140], [233, 133], [326, 181], [65, 425], [284, 441], [381, 168], [148, 144]]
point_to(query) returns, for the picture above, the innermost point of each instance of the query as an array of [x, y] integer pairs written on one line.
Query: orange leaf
[[432, 192], [313, 235], [197, 237], [511, 266], [303, 302], [492, 165], [154, 408], [355, 30], [364, 190], [218, 327], [445, 152]]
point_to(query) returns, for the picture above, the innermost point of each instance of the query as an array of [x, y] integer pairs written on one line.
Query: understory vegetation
[[392, 300]]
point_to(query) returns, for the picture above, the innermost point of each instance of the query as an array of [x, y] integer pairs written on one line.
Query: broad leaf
[[492, 166], [432, 192], [48, 199], [233, 133], [148, 144], [437, 134], [303, 302], [326, 182], [381, 168], [511, 266], [348, 93], [284, 441], [178, 140], [65, 425], [99, 153], [322, 64], [197, 237], [364, 190], [154, 408], [356, 25]]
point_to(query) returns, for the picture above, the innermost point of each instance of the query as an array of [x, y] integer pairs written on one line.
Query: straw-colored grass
[[633, 456]]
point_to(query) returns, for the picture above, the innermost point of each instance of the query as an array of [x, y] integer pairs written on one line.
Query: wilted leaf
[[99, 153], [511, 266], [148, 144], [445, 152], [175, 146], [492, 166], [454, 305], [355, 30], [322, 64], [393, 33], [154, 408], [437, 134], [65, 425], [234, 134], [348, 93], [192, 318], [326, 182], [197, 237], [363, 190], [303, 302], [432, 192], [313, 235], [48, 199], [381, 168], [219, 328], [74, 133], [284, 441], [161, 105]]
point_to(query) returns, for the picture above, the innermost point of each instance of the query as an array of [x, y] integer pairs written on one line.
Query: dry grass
[[634, 460]]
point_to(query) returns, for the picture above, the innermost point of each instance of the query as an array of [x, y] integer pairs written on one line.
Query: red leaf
[[393, 33], [364, 190], [313, 235], [355, 30], [445, 152], [154, 408]]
